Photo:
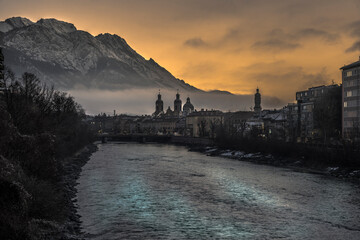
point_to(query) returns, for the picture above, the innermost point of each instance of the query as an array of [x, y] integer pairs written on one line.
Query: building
[[257, 107], [177, 105], [159, 106], [2, 82], [292, 122], [204, 123], [188, 107], [158, 126], [351, 100], [319, 109], [274, 124], [103, 123], [237, 122], [269, 124]]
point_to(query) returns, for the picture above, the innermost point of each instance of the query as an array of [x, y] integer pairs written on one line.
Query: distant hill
[[220, 92], [69, 58]]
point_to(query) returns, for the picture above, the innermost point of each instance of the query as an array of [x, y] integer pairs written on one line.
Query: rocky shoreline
[[72, 169], [297, 164]]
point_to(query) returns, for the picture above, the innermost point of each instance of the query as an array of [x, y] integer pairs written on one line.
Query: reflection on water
[[154, 191]]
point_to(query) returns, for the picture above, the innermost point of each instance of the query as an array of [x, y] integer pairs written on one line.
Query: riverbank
[[72, 169], [69, 227], [297, 164], [317, 163]]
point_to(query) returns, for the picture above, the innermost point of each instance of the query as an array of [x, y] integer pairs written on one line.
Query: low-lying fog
[[142, 101]]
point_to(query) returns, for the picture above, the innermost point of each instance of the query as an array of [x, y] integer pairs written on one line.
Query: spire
[[159, 105], [177, 103], [257, 107]]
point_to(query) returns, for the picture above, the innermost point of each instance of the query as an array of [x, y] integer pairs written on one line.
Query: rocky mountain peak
[[59, 26], [18, 22], [66, 57], [13, 23], [112, 39]]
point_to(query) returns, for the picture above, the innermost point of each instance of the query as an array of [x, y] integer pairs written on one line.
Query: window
[[351, 83], [349, 73], [348, 124], [351, 103], [349, 93], [350, 114]]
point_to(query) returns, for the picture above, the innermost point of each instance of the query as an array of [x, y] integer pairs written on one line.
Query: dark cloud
[[304, 33], [282, 79], [272, 102], [279, 40], [354, 29], [317, 79], [195, 43], [294, 77], [275, 45], [355, 47], [316, 33], [232, 35]]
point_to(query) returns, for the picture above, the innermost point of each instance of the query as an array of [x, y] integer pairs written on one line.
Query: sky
[[280, 46]]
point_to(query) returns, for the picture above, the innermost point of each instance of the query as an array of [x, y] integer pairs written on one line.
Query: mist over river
[[155, 191]]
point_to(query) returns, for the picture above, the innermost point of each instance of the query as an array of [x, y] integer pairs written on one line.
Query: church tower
[[159, 105], [257, 107], [177, 104]]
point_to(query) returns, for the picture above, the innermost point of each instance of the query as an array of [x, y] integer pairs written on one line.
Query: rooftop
[[352, 65]]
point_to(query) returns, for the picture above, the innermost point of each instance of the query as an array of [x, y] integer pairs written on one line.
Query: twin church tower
[[188, 107], [159, 106]]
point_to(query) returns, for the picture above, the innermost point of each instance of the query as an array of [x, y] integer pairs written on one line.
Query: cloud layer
[[128, 101]]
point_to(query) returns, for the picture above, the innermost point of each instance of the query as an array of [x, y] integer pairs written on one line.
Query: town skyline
[[181, 119], [235, 46]]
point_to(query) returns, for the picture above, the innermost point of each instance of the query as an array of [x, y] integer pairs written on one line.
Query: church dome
[[188, 106], [169, 111]]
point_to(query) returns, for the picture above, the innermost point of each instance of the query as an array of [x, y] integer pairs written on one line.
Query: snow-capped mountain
[[62, 55]]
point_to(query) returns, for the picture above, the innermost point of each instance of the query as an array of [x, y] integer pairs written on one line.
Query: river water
[[155, 191]]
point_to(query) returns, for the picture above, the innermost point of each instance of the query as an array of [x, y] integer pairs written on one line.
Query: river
[[156, 191]]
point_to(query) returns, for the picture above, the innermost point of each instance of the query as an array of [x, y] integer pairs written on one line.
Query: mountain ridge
[[67, 57]]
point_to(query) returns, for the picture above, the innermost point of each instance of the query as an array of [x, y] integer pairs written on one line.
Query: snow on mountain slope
[[68, 58]]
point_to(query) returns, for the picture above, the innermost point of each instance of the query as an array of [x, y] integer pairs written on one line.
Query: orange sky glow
[[280, 46]]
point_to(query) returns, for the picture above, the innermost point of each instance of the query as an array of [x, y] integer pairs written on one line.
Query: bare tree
[[202, 128]]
